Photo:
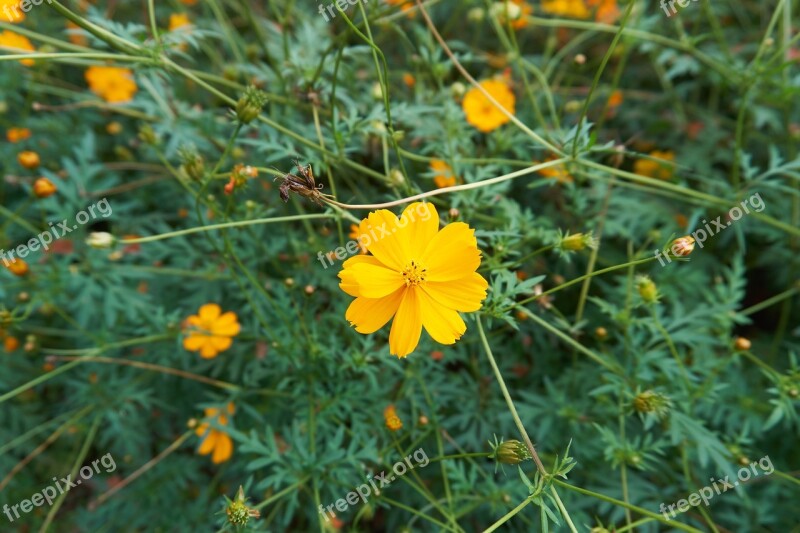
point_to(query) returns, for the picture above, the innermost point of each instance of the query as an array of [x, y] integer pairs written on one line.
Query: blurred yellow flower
[[558, 172], [444, 174], [112, 84], [566, 8], [75, 35], [655, 169], [178, 20], [211, 332], [355, 234], [18, 43], [606, 10], [15, 135], [16, 266], [393, 421], [482, 113], [418, 275], [10, 11], [214, 440]]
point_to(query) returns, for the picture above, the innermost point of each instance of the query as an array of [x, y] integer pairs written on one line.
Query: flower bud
[[652, 402], [238, 512], [114, 128], [647, 289], [28, 159], [148, 135], [250, 105], [741, 344], [100, 240], [601, 333], [682, 246], [43, 188], [476, 14], [577, 242], [396, 178], [193, 165], [457, 90], [511, 452]]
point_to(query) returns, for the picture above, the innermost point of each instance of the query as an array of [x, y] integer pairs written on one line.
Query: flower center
[[414, 274]]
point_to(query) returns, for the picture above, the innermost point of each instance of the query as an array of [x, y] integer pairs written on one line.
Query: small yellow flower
[[178, 20], [28, 159], [652, 168], [10, 11], [112, 84], [393, 421], [18, 43], [444, 176], [211, 332], [416, 274], [17, 266], [43, 187], [15, 135], [482, 113], [558, 172], [214, 440]]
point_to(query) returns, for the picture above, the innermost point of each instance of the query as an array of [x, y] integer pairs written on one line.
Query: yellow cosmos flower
[[558, 172], [444, 174], [211, 332], [655, 169], [178, 20], [10, 11], [482, 113], [214, 440], [421, 276], [18, 43], [112, 84], [393, 421]]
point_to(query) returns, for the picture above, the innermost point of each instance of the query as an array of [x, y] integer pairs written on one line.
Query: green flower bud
[[511, 452], [250, 104]]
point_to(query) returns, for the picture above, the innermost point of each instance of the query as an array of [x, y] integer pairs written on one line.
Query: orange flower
[[18, 43], [112, 84], [10, 344], [409, 79], [215, 440], [74, 34], [444, 174], [482, 113], [15, 135], [566, 8], [212, 332], [16, 266], [615, 99], [29, 160], [558, 172], [607, 10], [652, 168], [178, 20], [406, 6], [393, 421], [43, 188], [10, 11]]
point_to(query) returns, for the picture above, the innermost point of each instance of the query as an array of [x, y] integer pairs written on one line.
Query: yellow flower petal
[[384, 242], [223, 450], [423, 224], [407, 325], [221, 344], [208, 351], [376, 281], [210, 312], [349, 282], [463, 295], [453, 254], [194, 342], [369, 315], [227, 325], [443, 324], [208, 443]]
